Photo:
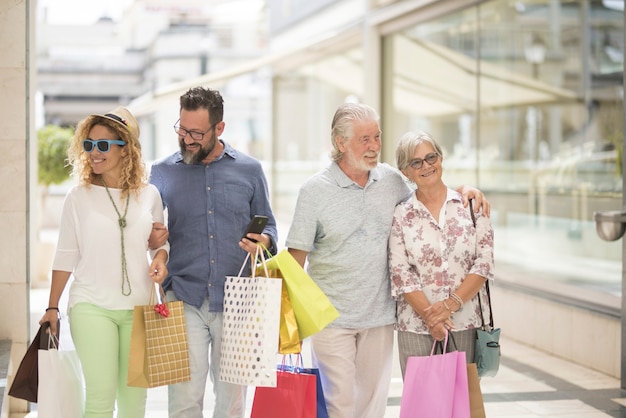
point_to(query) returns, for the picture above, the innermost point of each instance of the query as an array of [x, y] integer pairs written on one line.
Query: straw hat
[[123, 116]]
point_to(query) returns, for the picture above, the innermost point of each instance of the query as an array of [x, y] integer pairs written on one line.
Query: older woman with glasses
[[438, 258], [103, 243]]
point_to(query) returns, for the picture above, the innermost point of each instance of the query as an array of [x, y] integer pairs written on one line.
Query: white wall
[[16, 163]]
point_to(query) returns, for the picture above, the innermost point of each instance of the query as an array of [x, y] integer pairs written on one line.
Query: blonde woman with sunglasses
[[103, 244]]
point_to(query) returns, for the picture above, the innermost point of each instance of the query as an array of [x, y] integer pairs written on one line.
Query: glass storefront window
[[527, 101], [305, 99]]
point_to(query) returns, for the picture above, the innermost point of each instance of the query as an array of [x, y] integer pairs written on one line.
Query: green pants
[[102, 341]]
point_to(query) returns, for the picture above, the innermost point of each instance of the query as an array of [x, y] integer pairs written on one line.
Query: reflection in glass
[[527, 98]]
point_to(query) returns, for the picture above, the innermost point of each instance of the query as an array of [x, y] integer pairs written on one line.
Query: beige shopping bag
[[477, 406], [159, 352]]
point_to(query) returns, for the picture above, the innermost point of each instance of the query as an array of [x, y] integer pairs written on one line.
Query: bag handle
[[296, 366], [259, 254], [480, 305], [157, 294], [482, 316], [265, 249], [53, 341], [443, 346], [243, 266], [44, 329]]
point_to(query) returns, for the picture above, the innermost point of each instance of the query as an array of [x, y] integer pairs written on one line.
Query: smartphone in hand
[[256, 226]]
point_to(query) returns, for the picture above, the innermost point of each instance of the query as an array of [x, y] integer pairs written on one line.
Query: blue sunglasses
[[104, 145]]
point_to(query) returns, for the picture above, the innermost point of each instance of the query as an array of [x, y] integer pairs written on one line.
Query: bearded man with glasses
[[211, 191]]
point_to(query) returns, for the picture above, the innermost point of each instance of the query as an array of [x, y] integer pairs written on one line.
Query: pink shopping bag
[[435, 386]]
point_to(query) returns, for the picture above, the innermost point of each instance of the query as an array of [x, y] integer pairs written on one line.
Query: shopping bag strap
[[53, 341], [484, 326], [288, 365], [259, 254], [157, 294], [298, 364], [265, 250], [443, 345], [159, 299], [243, 266], [44, 330]]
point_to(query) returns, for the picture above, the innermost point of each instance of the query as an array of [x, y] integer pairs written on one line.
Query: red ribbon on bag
[[162, 310], [160, 307]]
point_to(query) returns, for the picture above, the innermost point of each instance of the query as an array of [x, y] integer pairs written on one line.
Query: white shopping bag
[[250, 328], [61, 390]]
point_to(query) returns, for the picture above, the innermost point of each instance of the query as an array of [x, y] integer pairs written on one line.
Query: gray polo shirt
[[345, 228]]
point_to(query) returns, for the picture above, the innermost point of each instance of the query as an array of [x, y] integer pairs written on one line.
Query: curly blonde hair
[[133, 176]]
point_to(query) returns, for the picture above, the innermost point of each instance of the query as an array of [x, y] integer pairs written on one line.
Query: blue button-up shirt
[[208, 209]]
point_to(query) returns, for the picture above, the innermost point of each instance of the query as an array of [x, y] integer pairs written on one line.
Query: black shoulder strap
[[482, 318]]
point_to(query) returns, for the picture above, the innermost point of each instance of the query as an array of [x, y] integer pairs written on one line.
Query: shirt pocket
[[237, 198]]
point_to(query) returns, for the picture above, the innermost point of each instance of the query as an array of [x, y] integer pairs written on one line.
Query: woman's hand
[[436, 314], [438, 332], [158, 270], [51, 316]]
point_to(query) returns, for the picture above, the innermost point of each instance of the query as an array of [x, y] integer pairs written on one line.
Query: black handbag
[[26, 380], [487, 356]]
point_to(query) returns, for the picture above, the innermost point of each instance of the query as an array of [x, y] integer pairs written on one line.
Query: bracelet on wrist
[[457, 299], [52, 308], [448, 307]]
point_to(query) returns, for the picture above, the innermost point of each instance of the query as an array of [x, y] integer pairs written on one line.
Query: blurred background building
[[154, 44], [526, 97]]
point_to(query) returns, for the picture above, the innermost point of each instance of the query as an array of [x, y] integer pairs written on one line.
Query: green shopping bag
[[312, 308]]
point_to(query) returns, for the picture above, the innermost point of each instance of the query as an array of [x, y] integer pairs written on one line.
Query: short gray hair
[[409, 142], [343, 124]]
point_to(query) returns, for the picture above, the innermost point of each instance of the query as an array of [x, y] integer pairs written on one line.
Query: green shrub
[[53, 142]]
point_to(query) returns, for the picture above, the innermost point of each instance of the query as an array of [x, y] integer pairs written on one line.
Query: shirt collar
[[344, 181], [451, 195]]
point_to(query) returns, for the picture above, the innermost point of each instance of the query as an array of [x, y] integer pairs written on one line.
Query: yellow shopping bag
[[288, 339], [312, 308]]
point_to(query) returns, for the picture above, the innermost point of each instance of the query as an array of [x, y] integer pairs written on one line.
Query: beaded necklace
[[121, 221]]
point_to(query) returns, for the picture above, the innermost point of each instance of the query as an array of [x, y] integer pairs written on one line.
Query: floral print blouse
[[435, 257]]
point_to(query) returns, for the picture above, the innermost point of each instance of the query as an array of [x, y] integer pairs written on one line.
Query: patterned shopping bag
[[159, 352], [250, 330]]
